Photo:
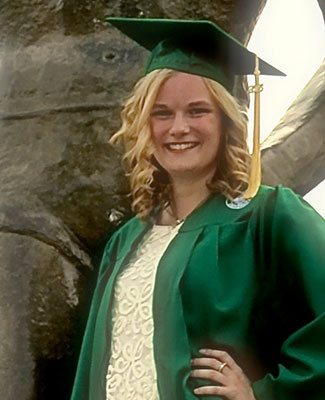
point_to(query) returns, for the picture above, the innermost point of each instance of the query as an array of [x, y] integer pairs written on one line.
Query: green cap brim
[[199, 47]]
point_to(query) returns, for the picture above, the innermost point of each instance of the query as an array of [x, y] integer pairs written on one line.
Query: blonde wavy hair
[[149, 182]]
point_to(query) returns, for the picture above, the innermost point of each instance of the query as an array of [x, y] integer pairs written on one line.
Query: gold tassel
[[255, 167]]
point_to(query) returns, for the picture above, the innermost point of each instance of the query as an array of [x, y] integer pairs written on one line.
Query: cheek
[[157, 130], [216, 130]]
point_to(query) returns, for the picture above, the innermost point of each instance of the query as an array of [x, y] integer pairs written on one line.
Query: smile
[[181, 146]]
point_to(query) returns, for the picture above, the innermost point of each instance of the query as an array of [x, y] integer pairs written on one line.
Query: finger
[[206, 362], [209, 374], [211, 390], [221, 356]]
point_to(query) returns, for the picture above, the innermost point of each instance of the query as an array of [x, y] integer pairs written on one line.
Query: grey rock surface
[[321, 4], [39, 298], [17, 361], [294, 154], [60, 102]]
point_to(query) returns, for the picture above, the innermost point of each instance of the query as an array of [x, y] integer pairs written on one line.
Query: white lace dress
[[131, 372]]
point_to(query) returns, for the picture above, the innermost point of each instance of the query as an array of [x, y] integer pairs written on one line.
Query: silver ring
[[221, 367]]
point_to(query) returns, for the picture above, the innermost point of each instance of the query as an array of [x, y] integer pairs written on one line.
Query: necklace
[[172, 213], [171, 210]]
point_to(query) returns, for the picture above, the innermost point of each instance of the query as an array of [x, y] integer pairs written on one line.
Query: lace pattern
[[131, 372]]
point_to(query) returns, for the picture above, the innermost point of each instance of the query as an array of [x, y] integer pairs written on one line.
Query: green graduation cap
[[198, 47]]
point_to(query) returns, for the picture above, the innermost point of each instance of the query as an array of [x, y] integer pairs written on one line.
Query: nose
[[179, 125]]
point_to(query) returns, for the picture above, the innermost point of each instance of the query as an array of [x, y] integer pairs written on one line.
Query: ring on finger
[[221, 367]]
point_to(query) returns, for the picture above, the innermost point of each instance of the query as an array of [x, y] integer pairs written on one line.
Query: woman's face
[[186, 128]]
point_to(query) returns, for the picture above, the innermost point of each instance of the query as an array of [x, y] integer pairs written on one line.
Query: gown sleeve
[[80, 389], [297, 254]]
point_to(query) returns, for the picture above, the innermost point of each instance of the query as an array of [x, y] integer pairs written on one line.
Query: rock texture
[[38, 301], [294, 153], [63, 76], [322, 5], [59, 103]]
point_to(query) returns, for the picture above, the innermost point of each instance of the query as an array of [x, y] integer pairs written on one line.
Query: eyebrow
[[159, 105], [191, 104], [200, 103]]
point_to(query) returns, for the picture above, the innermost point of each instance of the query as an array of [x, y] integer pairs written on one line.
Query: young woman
[[203, 294]]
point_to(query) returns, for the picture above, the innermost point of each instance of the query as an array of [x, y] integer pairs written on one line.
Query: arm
[[298, 254], [291, 304]]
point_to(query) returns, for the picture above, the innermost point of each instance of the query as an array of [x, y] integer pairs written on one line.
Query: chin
[[189, 174]]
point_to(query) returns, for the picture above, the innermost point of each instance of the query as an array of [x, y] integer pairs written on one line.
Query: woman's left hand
[[217, 366]]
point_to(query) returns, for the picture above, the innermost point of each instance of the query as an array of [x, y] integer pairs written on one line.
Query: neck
[[185, 198]]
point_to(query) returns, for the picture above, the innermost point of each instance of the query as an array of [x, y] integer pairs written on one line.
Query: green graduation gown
[[249, 281]]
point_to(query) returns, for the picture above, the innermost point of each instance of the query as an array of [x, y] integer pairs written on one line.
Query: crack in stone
[[60, 247], [74, 108]]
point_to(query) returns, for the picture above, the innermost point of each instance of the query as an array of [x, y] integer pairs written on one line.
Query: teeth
[[180, 146]]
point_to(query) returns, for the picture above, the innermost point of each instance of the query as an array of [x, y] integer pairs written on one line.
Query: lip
[[181, 146]]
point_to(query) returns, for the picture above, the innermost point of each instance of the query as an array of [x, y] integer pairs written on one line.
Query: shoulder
[[120, 242], [280, 209], [288, 204], [217, 210], [273, 194], [133, 224], [281, 200], [128, 232], [293, 220]]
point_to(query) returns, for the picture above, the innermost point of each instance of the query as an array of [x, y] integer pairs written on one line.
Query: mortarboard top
[[198, 47]]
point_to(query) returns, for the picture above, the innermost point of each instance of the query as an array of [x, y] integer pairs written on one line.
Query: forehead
[[184, 86]]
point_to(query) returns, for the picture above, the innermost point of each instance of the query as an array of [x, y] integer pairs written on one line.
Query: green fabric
[[198, 47], [249, 281], [173, 55]]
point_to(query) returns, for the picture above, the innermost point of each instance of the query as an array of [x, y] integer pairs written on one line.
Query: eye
[[198, 111], [161, 113]]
